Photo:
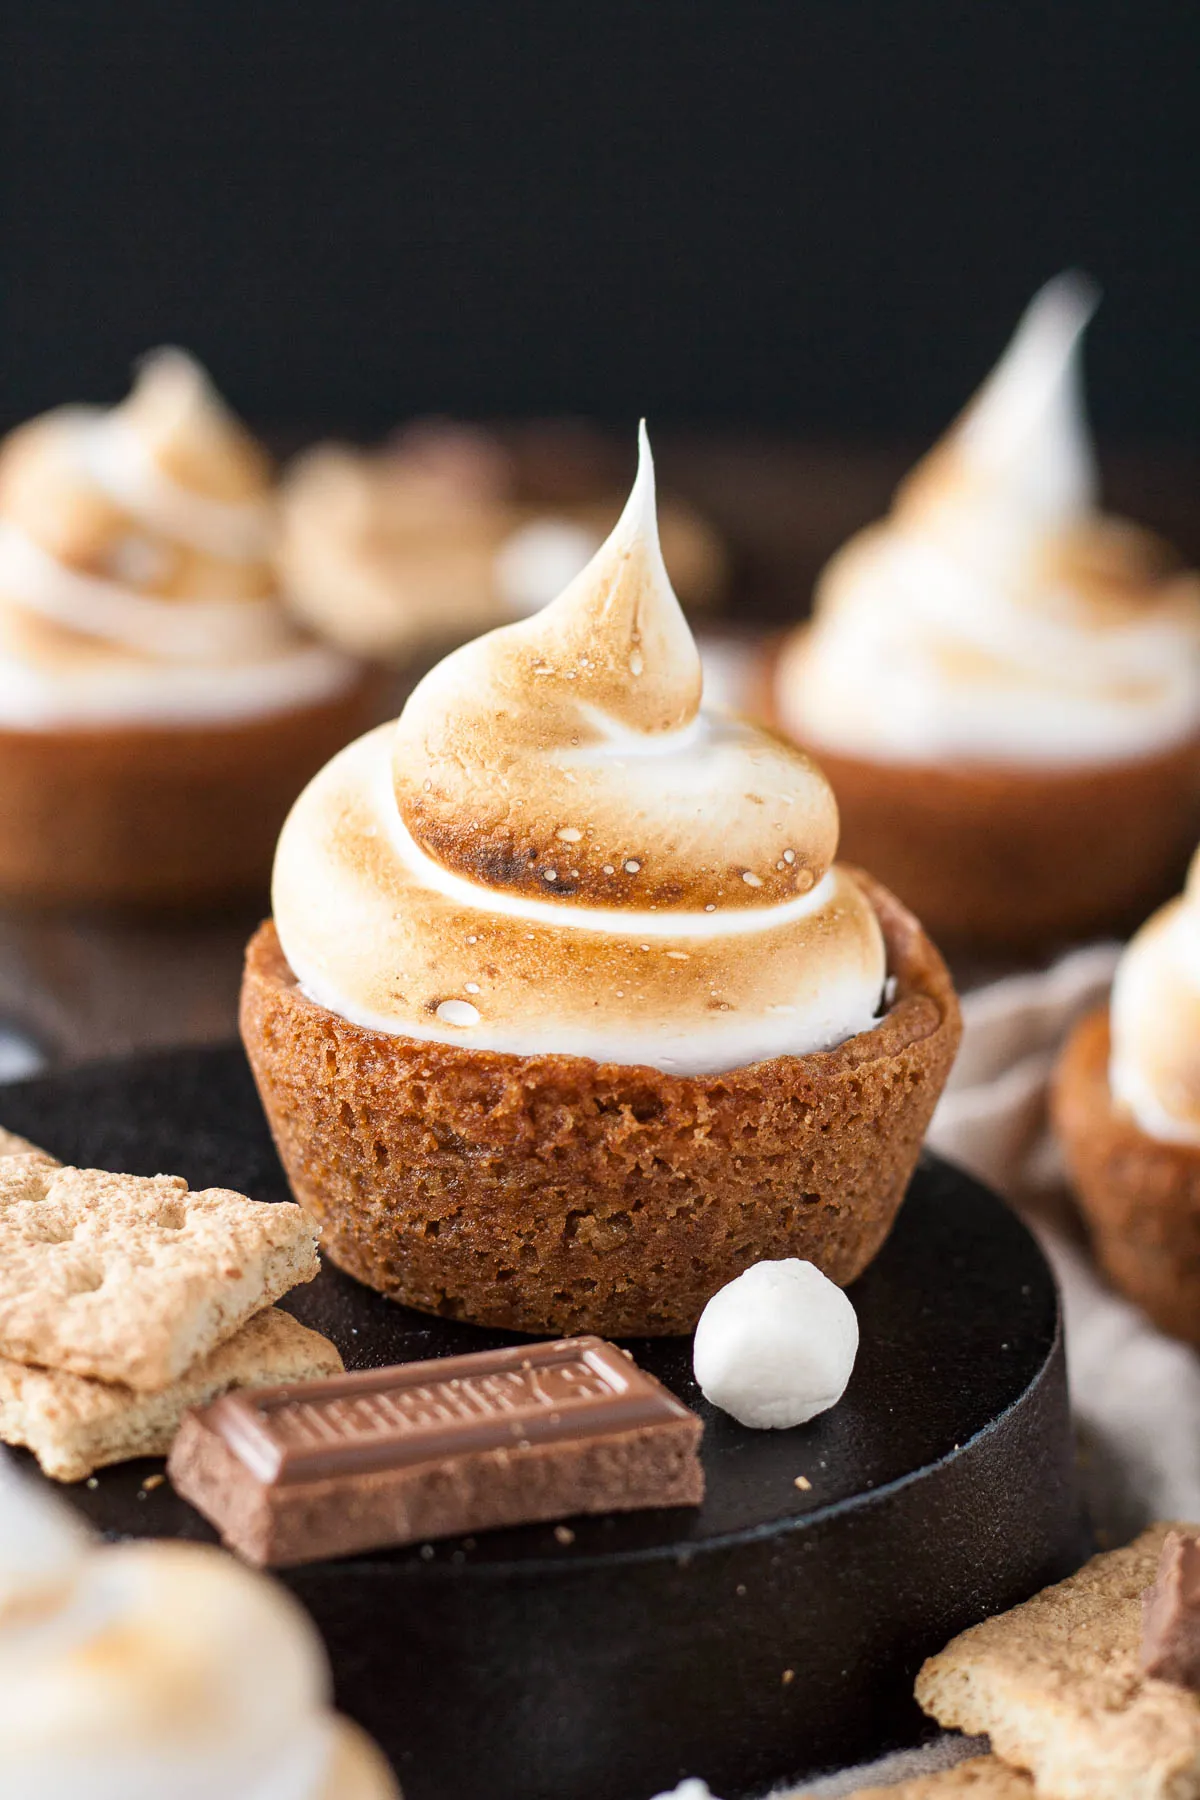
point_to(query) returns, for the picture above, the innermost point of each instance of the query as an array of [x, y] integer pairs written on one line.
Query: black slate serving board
[[771, 1633]]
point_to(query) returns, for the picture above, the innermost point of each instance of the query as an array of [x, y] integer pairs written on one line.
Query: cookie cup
[[161, 816], [1139, 1195], [1016, 858], [554, 1194]]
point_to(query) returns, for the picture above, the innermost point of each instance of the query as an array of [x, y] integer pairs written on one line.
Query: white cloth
[[18, 1057], [1135, 1393]]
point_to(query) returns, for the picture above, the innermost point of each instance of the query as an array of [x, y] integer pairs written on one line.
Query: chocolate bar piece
[[1171, 1615], [433, 1449]]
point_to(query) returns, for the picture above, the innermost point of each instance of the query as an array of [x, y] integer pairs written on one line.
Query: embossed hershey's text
[[510, 1394]]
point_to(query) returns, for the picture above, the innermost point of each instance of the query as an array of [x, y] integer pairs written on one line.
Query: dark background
[[819, 214]]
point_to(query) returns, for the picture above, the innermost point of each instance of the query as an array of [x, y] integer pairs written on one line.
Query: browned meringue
[[1155, 1018], [154, 1669], [996, 615], [556, 848], [136, 574]]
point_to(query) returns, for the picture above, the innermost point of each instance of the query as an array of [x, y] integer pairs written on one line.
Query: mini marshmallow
[[688, 1790], [777, 1346]]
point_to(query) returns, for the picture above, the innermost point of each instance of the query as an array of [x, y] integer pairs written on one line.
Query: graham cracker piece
[[12, 1145], [982, 1778], [74, 1425], [130, 1278], [1058, 1686]]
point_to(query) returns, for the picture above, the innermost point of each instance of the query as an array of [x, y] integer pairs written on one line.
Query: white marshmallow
[[692, 1789], [777, 1346]]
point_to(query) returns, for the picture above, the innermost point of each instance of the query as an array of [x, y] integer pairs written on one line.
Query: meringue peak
[[582, 727], [997, 615], [1022, 442], [189, 431], [617, 632]]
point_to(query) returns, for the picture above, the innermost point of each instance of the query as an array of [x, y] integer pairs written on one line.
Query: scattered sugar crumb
[[564, 1534], [803, 1483]]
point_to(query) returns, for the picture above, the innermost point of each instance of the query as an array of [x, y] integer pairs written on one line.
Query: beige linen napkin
[[1135, 1393]]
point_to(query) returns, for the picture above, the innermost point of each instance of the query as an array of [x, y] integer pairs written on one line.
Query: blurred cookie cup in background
[[402, 553], [158, 708], [1126, 1106], [1002, 682], [567, 1013]]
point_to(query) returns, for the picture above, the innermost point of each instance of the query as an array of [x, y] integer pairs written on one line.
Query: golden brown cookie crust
[[1141, 1197], [556, 1194], [1017, 858], [161, 816]]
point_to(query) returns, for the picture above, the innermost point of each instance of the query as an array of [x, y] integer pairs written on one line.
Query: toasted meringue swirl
[[558, 849], [1155, 1064], [135, 573], [996, 615], [152, 1669]]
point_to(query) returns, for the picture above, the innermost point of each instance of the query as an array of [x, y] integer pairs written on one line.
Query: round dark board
[[774, 1632]]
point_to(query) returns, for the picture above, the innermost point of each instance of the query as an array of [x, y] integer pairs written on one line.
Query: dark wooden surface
[[85, 988]]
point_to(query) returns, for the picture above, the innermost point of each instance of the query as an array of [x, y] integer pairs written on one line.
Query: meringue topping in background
[[1155, 1019], [558, 849], [42, 1551], [451, 531], [147, 1670], [996, 615], [136, 577]]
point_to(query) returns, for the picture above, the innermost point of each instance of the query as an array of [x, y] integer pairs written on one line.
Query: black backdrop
[[817, 213]]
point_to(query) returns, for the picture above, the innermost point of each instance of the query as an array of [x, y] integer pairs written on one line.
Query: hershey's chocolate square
[[388, 1456]]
